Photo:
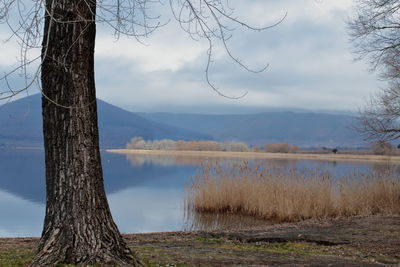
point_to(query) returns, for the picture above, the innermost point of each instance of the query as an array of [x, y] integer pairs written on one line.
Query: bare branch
[[201, 19], [380, 118], [375, 33], [204, 19]]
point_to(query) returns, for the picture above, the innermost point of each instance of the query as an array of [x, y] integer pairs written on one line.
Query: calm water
[[146, 193]]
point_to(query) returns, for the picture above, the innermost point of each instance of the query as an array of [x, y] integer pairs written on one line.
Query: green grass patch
[[210, 240], [16, 258], [97, 265], [287, 247], [22, 258], [150, 263]]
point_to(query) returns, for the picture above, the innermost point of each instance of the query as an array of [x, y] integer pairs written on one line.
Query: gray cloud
[[310, 59]]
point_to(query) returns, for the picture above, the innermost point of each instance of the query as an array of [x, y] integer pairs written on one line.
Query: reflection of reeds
[[290, 194], [220, 221], [138, 160]]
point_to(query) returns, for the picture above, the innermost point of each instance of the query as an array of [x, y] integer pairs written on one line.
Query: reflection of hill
[[22, 174]]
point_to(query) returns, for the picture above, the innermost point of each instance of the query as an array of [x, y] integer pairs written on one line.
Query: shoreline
[[352, 241], [262, 155]]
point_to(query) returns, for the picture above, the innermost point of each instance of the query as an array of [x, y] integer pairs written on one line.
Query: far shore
[[262, 155]]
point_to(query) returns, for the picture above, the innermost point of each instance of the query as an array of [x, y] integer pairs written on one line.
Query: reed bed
[[282, 194]]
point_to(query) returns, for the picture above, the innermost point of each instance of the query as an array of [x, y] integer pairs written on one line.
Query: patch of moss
[[150, 263], [22, 258], [287, 247], [147, 263], [210, 240], [69, 265], [15, 258], [150, 252]]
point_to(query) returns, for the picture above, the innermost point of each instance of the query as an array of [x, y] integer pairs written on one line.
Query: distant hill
[[21, 125], [303, 129]]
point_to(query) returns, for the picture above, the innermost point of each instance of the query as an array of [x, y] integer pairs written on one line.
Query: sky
[[310, 63]]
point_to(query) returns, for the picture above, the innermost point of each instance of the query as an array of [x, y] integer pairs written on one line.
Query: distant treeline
[[281, 148], [167, 144]]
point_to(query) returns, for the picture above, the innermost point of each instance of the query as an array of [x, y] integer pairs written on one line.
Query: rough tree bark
[[79, 228]]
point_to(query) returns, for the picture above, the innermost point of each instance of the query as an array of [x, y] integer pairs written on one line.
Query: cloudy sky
[[309, 55]]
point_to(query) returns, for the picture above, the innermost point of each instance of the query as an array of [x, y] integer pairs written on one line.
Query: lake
[[146, 193]]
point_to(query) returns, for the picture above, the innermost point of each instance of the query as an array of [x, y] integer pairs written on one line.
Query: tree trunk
[[78, 227]]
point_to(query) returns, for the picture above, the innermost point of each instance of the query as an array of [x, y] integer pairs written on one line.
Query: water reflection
[[146, 193], [336, 168], [19, 217], [385, 167], [139, 160], [211, 221], [142, 199], [22, 174], [148, 209]]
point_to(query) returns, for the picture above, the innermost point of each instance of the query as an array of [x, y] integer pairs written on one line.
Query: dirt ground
[[357, 241]]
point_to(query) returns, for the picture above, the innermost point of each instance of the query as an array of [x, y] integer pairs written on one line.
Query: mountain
[[303, 129], [21, 125]]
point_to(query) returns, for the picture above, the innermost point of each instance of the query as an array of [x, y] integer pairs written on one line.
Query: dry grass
[[291, 195], [281, 148]]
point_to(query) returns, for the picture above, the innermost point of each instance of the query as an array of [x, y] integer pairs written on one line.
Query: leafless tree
[[375, 34], [380, 119], [235, 146], [382, 148], [78, 227]]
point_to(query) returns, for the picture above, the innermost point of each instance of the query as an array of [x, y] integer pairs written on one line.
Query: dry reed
[[290, 195]]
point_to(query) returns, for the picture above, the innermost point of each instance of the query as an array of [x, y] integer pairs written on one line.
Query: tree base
[[62, 247], [104, 258]]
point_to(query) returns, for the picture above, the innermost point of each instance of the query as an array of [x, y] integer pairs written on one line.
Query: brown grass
[[291, 195], [281, 148]]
